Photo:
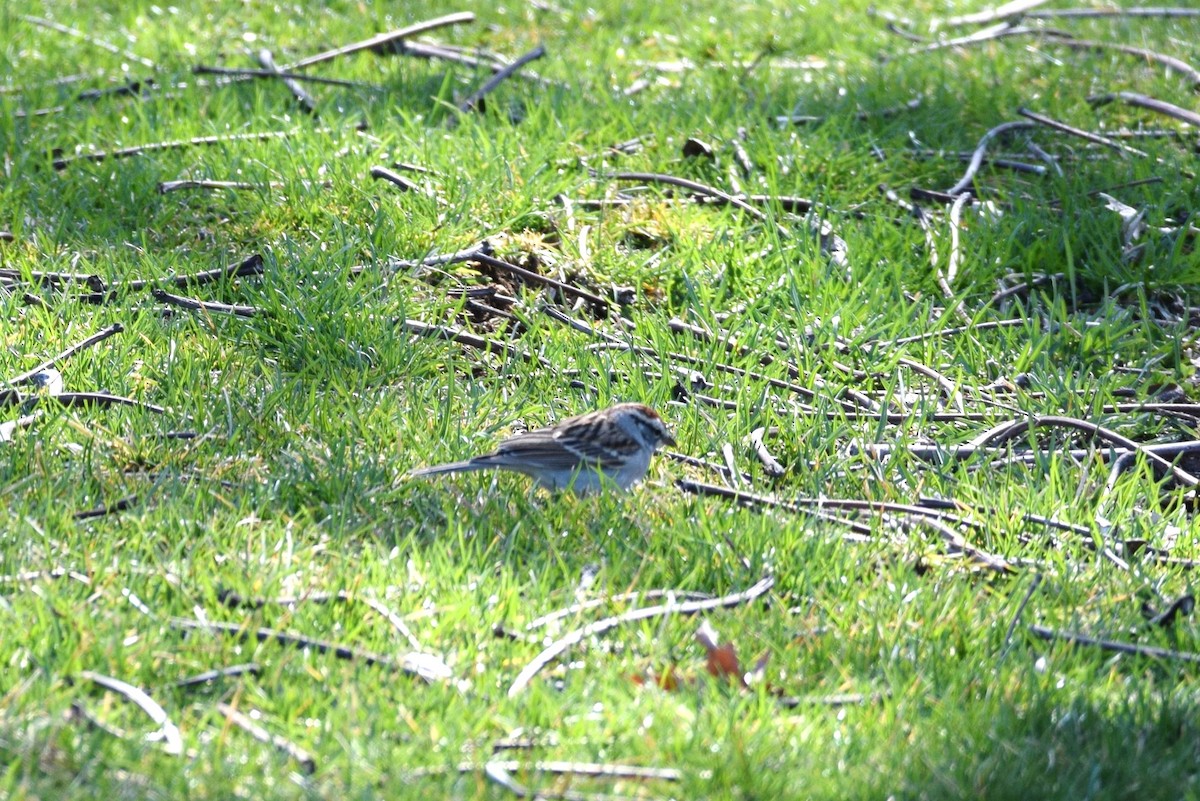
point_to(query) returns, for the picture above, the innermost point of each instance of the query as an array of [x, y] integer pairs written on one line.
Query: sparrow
[[584, 453]]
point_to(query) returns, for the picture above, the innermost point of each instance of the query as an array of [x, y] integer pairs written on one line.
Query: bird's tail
[[452, 467]]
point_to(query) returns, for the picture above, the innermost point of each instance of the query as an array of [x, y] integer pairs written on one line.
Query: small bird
[[615, 443]]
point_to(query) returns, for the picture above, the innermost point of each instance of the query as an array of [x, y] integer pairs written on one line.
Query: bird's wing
[[543, 450], [588, 446]]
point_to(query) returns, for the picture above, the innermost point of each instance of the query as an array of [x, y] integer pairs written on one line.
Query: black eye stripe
[[652, 431]]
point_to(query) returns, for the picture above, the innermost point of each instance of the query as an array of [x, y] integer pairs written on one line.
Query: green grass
[[311, 413]]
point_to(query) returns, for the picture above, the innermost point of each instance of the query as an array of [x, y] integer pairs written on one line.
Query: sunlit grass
[[308, 416]]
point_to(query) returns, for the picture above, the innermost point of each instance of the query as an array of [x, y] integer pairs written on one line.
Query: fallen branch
[[694, 461], [597, 770], [1178, 65], [438, 259], [981, 151], [10, 427], [498, 772], [1133, 649], [1142, 101], [627, 597], [120, 505], [383, 173], [591, 770], [535, 278], [167, 731], [862, 532], [999, 31], [732, 346], [235, 601], [1024, 286], [475, 100], [770, 464], [156, 147], [731, 469], [209, 307], [102, 292], [1012, 625], [931, 195], [943, 454], [703, 189], [14, 278], [198, 183], [345, 652], [74, 399], [947, 386], [836, 700], [1081, 13], [282, 638], [306, 101], [457, 56], [576, 325], [251, 265], [277, 72], [470, 340], [1015, 428], [209, 676], [935, 517], [563, 644], [790, 203], [384, 39], [482, 253], [945, 280], [95, 41], [1015, 8], [279, 742], [729, 369], [945, 332], [1082, 134], [99, 336], [1180, 607]]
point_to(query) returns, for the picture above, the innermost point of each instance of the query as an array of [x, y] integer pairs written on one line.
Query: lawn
[[928, 529]]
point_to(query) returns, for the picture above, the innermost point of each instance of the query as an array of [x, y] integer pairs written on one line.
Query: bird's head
[[643, 424]]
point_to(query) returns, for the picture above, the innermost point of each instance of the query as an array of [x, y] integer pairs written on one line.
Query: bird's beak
[[668, 439]]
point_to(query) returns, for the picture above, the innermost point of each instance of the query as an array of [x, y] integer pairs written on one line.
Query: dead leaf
[[722, 659]]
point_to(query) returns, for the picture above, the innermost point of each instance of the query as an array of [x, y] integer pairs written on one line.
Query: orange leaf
[[722, 659]]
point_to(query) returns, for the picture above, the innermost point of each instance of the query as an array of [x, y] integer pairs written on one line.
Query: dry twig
[[770, 464], [470, 340], [61, 163], [475, 100], [383, 40], [99, 336], [981, 151], [297, 641], [563, 644], [209, 676], [167, 732], [1015, 428], [1153, 104], [1134, 649], [1049, 122], [277, 741], [306, 101], [1015, 8], [206, 306]]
